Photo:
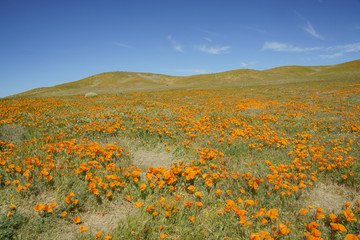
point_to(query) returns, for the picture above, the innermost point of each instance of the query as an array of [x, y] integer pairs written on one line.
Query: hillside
[[117, 82]]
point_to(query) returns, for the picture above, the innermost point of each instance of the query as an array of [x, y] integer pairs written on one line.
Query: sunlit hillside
[[119, 82]]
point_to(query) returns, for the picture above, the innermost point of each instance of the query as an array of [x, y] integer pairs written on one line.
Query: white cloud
[[310, 29], [214, 50], [341, 50], [335, 55], [243, 65], [177, 47], [208, 39], [350, 48], [122, 45], [285, 47], [247, 64]]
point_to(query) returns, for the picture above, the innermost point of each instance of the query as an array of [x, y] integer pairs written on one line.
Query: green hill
[[116, 82]]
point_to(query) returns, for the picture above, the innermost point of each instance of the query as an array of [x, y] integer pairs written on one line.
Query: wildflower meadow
[[253, 162]]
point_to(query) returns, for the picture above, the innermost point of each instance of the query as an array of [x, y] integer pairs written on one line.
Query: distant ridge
[[117, 82]]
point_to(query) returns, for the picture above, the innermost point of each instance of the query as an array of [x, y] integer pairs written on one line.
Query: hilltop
[[118, 82]]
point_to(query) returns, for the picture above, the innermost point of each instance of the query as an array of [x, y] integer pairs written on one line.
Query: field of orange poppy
[[278, 162]]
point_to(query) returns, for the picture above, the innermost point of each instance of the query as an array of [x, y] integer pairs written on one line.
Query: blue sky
[[49, 42]]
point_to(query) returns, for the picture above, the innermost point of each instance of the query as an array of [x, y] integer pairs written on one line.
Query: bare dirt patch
[[108, 221], [104, 221], [330, 197], [12, 133], [146, 158]]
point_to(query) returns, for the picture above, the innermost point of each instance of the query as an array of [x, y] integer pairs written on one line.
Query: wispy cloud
[[122, 45], [207, 39], [247, 64], [310, 29], [341, 50], [213, 50], [285, 47], [243, 65], [177, 47], [334, 55]]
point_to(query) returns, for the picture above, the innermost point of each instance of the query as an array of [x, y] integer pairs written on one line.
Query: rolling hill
[[117, 82]]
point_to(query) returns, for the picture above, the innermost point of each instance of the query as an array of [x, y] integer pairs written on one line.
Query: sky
[[49, 42]]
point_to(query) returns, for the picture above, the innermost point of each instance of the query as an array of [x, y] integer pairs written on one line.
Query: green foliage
[[9, 225]]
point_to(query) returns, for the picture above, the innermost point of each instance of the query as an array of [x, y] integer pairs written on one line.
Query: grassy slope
[[117, 82]]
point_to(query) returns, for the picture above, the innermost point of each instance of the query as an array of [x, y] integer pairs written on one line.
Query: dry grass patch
[[330, 197], [104, 221], [156, 158], [14, 134], [108, 220]]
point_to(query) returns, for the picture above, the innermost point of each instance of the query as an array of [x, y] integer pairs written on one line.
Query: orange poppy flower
[[349, 215], [303, 211], [272, 213], [338, 227], [192, 219], [284, 229], [351, 237], [39, 207], [142, 186], [312, 225], [83, 228], [98, 235], [191, 188], [138, 204], [48, 209], [255, 236], [333, 217], [319, 216], [77, 220], [63, 214], [319, 210], [249, 202]]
